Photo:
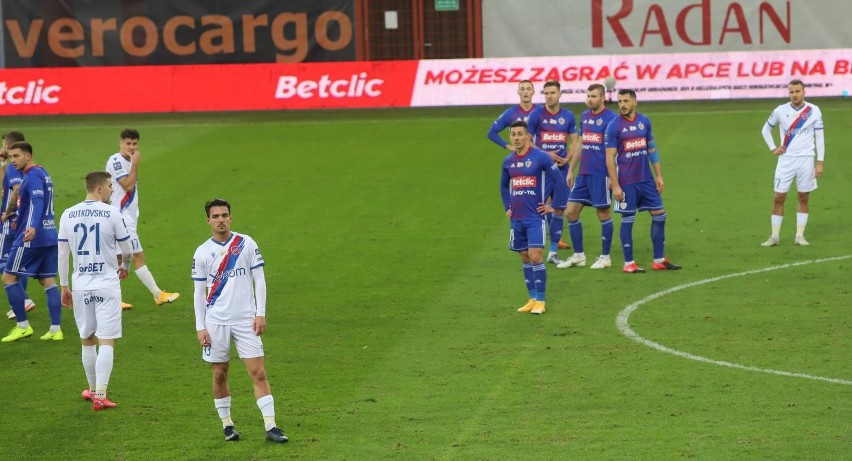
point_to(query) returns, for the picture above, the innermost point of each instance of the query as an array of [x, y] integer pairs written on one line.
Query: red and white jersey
[[92, 230], [125, 200], [226, 268], [797, 127]]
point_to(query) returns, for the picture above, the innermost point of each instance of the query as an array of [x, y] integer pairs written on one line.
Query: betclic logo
[[31, 92]]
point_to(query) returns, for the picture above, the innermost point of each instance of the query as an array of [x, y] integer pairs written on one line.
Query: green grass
[[392, 295]]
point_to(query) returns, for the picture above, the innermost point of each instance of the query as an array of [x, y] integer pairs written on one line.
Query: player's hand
[[4, 216], [544, 208], [779, 150], [135, 156], [259, 325], [67, 299], [204, 338], [660, 184], [818, 169], [122, 273], [29, 234], [617, 193], [570, 179], [509, 213]]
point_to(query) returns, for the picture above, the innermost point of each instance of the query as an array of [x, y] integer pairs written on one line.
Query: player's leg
[[575, 227], [557, 225], [84, 318], [607, 231], [145, 276], [651, 202], [784, 175], [805, 183], [627, 208], [218, 355], [107, 308], [47, 267], [518, 243], [535, 242], [250, 348], [15, 294]]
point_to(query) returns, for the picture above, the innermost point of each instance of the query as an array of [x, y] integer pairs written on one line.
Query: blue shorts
[[640, 196], [38, 263], [592, 190], [6, 241], [526, 234], [551, 188]]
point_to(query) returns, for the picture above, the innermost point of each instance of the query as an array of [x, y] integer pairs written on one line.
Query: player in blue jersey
[[592, 184], [34, 251], [552, 128], [629, 153], [523, 185], [11, 181], [520, 112]]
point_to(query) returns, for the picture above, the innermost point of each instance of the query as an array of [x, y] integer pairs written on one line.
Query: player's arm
[[64, 254], [819, 138], [505, 192], [611, 169], [126, 256], [767, 134], [494, 132], [259, 298], [129, 182], [199, 299], [35, 211], [12, 204], [560, 188], [654, 156]]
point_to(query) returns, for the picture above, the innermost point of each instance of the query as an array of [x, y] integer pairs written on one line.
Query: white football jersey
[[125, 200], [226, 268], [93, 230], [797, 127]]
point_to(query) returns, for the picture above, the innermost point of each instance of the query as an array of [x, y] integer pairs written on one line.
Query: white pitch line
[[624, 316]]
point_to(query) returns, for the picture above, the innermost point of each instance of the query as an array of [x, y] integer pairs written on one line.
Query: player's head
[[552, 92], [797, 91], [626, 102], [21, 155], [526, 91], [219, 216], [595, 96], [99, 185], [11, 138], [519, 134], [129, 141]]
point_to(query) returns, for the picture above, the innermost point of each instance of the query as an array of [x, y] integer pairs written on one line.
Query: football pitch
[[392, 331]]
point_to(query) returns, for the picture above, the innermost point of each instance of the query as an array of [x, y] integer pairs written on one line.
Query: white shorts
[[98, 312], [134, 237], [248, 344], [799, 168]]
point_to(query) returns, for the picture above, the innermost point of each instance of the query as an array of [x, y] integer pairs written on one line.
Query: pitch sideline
[[623, 326]]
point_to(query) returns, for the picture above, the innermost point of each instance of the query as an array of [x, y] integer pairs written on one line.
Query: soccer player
[[552, 127], [33, 252], [230, 302], [8, 204], [520, 112], [523, 185], [628, 151], [592, 184], [94, 229], [124, 168], [802, 133]]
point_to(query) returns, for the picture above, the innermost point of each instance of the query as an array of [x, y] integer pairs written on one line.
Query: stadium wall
[[451, 82]]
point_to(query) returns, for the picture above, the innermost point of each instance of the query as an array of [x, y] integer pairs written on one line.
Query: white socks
[[147, 279], [103, 370], [223, 407], [776, 226], [801, 222], [90, 357], [267, 409]]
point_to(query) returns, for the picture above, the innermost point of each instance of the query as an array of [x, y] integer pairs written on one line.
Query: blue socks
[[658, 235], [575, 228], [626, 234], [16, 294], [529, 279], [557, 223], [607, 230], [54, 304], [540, 280]]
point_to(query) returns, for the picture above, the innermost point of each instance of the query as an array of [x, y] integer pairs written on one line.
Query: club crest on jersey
[[235, 250], [641, 126], [600, 122], [528, 163], [561, 121]]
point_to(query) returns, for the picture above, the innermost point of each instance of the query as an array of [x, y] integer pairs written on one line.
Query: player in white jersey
[[95, 231], [230, 302], [802, 135], [124, 168]]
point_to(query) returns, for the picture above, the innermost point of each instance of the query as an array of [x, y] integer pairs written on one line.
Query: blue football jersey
[[630, 138], [11, 178], [35, 209], [551, 130], [524, 182], [592, 131], [505, 119]]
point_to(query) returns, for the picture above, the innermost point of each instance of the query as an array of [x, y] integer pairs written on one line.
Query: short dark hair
[[14, 136], [216, 202], [520, 123], [796, 81], [627, 91], [129, 133], [95, 179], [525, 81], [553, 83], [597, 86], [23, 145]]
